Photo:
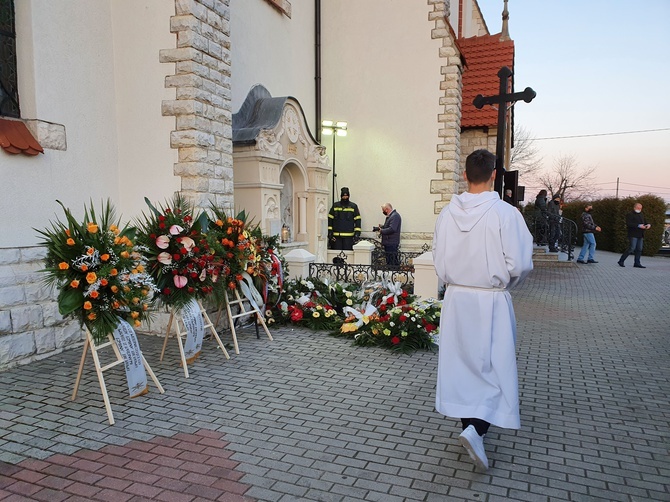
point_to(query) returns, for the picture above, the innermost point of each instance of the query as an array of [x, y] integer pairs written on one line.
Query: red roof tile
[[485, 56], [16, 138]]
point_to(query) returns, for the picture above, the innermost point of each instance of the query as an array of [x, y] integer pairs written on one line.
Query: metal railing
[[400, 269], [556, 232]]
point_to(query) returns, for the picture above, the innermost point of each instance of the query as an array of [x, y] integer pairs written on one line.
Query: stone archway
[[272, 149]]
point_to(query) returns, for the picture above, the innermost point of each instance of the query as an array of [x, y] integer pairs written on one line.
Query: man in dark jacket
[[390, 232], [344, 223], [588, 228], [554, 215], [636, 225]]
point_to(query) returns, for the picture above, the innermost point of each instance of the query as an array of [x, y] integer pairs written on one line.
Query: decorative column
[[202, 107], [302, 216], [449, 120]]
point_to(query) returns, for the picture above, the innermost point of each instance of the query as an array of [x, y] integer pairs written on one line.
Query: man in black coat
[[636, 224], [390, 232]]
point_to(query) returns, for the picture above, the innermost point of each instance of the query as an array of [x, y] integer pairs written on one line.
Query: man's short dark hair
[[479, 166]]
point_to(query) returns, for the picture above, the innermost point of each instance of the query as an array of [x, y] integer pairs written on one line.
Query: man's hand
[[597, 229]]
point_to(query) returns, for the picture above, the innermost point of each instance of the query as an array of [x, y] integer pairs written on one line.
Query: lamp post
[[334, 128]]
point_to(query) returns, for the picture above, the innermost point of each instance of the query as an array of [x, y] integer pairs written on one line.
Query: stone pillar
[[450, 118], [298, 262], [202, 107], [425, 278], [363, 252]]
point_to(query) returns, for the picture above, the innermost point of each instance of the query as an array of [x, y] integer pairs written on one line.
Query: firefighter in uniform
[[344, 223]]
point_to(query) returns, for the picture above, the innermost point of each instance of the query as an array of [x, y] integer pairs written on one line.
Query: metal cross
[[501, 100]]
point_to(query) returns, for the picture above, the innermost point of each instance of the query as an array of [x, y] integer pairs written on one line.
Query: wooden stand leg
[[81, 368], [252, 311], [167, 333], [99, 369], [211, 328]]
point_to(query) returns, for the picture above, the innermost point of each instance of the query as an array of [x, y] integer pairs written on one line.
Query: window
[[9, 91]]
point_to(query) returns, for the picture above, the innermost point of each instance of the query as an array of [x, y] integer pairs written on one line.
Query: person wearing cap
[[344, 223], [554, 214]]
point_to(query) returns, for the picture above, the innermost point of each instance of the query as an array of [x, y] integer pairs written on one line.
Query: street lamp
[[334, 128]]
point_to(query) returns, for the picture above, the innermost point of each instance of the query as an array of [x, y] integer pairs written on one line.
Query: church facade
[[141, 98]]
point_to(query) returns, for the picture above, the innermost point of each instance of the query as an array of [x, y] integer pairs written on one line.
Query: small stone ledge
[[49, 135]]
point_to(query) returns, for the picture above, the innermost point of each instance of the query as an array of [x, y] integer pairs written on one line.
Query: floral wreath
[[99, 271], [178, 254]]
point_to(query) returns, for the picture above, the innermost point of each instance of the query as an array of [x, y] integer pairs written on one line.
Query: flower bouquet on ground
[[178, 255], [98, 269], [403, 328], [303, 303]]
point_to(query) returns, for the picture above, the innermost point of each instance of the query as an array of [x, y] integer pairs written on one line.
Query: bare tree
[[568, 180], [524, 157]]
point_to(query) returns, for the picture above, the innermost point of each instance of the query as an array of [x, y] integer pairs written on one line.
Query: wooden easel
[[90, 343], [182, 334], [243, 312]]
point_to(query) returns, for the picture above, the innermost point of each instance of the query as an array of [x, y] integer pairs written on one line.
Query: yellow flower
[[137, 323], [387, 332], [63, 265], [134, 315], [348, 327], [92, 228], [140, 268], [91, 277], [349, 302], [316, 314]]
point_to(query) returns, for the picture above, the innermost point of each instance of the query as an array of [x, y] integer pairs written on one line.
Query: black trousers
[[481, 426]]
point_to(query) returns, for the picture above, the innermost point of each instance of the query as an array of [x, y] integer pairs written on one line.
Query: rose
[[63, 265], [88, 305], [70, 241], [395, 340], [92, 228], [74, 283], [91, 277]]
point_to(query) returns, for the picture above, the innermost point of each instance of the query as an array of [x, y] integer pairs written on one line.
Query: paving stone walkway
[[309, 417]]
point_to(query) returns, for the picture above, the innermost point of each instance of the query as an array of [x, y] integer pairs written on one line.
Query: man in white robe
[[481, 248]]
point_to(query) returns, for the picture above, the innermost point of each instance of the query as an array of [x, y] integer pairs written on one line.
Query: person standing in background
[[636, 225]]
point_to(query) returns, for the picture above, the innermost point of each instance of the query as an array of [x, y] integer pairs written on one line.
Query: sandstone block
[[26, 318], [180, 54], [191, 138], [194, 169], [45, 340], [15, 347], [69, 334], [12, 295], [193, 154], [185, 22], [5, 322], [10, 255]]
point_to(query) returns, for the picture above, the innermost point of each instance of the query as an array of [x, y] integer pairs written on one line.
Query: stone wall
[[202, 107], [450, 119], [30, 326]]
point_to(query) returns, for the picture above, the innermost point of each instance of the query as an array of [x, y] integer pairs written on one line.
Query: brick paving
[[309, 417]]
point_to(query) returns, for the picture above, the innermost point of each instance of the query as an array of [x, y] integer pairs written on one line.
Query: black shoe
[[553, 250], [591, 261], [621, 264], [581, 261], [639, 266]]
